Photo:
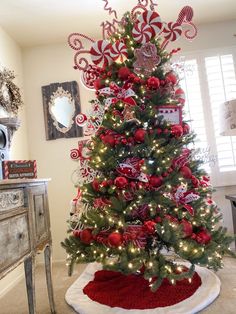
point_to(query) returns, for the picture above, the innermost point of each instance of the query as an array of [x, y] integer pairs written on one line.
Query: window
[[209, 80]]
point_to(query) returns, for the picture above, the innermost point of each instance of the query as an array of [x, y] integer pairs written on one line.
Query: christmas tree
[[143, 200]]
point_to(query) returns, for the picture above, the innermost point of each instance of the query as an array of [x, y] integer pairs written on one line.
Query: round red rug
[[132, 292]]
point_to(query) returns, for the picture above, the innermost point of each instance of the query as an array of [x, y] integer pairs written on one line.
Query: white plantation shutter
[[209, 81]]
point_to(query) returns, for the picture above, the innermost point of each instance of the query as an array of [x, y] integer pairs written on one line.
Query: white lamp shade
[[228, 118]]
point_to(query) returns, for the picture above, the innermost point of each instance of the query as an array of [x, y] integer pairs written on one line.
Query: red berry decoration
[[115, 239], [186, 172], [155, 181], [86, 236], [109, 139], [203, 237], [139, 135], [187, 228], [177, 130], [153, 83], [121, 182], [124, 73]]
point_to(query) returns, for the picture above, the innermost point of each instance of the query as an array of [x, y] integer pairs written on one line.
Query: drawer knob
[[40, 213]]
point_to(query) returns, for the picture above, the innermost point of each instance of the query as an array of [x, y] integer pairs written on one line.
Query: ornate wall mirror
[[61, 105]]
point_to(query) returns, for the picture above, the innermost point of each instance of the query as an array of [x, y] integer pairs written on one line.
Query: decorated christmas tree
[[144, 201]]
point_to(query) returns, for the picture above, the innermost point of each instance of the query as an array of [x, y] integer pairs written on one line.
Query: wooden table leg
[[48, 270], [29, 264]]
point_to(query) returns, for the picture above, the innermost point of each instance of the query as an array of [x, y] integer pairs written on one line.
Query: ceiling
[[36, 22]]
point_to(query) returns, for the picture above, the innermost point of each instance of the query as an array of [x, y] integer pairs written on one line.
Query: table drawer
[[39, 209], [14, 240], [11, 199]]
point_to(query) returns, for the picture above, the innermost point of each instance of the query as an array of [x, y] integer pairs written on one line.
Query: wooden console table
[[24, 231]]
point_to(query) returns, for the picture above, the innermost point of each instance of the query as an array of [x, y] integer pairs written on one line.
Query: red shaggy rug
[[132, 292]]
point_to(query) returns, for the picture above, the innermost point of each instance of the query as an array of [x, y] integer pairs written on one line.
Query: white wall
[[44, 65], [10, 57], [54, 63]]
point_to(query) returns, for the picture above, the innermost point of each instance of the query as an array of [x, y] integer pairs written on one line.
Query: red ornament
[[153, 83], [109, 139], [187, 228], [86, 236], [76, 233], [149, 227], [171, 78], [203, 237], [177, 130], [155, 181], [96, 185], [186, 128], [180, 96], [98, 84], [121, 182], [158, 219], [195, 182], [139, 135], [124, 73], [186, 172], [115, 239]]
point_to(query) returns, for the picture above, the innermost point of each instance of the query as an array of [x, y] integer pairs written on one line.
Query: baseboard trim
[[13, 283]]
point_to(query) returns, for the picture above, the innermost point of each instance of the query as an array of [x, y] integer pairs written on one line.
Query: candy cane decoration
[[185, 18], [109, 9], [75, 42]]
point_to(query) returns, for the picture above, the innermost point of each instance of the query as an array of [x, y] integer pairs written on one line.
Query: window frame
[[218, 179]]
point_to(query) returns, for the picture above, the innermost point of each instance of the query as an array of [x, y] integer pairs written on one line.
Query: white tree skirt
[[204, 295]]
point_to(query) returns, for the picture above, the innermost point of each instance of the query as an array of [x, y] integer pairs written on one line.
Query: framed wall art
[[61, 104]]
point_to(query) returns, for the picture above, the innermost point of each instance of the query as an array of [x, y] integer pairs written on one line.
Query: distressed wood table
[[25, 231], [232, 199]]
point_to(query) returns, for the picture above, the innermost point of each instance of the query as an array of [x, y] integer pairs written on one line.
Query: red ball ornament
[[149, 227], [155, 181], [115, 239], [186, 172], [203, 237], [177, 130], [171, 78], [139, 135], [96, 185], [153, 83], [98, 84], [109, 139], [76, 233], [124, 73], [86, 236], [121, 182], [186, 128], [187, 228]]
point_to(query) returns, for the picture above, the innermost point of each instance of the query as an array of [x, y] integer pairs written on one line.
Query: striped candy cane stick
[[185, 18]]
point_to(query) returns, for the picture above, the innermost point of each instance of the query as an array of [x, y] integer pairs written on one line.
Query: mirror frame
[[52, 127]]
